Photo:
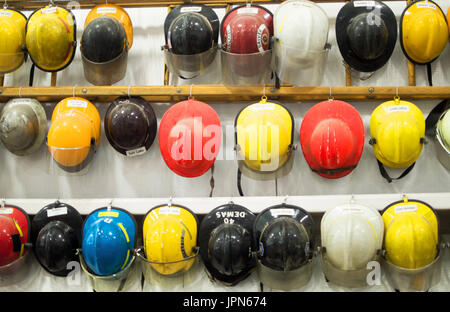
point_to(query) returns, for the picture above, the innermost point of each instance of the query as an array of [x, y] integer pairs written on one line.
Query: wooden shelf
[[35, 4], [221, 93]]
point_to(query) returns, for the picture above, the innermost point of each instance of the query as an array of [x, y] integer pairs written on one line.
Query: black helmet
[[130, 125], [103, 40], [191, 29], [226, 245], [285, 237], [56, 236], [366, 35]]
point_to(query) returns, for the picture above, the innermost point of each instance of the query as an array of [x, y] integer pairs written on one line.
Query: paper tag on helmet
[[136, 152], [6, 13], [106, 10], [77, 103], [282, 212], [352, 210], [247, 11], [426, 6], [49, 10], [190, 9], [406, 208], [169, 211], [113, 214], [358, 4], [263, 107], [56, 212], [6, 211], [398, 108]]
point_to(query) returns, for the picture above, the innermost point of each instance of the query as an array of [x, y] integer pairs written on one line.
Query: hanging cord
[[239, 176], [429, 74], [276, 186], [211, 182], [433, 118], [5, 6], [31, 75]]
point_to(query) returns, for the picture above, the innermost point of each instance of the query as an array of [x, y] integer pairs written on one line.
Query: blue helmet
[[109, 238]]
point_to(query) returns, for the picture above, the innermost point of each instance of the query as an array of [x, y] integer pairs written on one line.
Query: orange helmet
[[74, 133], [116, 12]]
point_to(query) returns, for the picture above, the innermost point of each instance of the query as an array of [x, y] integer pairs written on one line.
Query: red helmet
[[190, 135], [332, 138], [247, 29], [14, 234]]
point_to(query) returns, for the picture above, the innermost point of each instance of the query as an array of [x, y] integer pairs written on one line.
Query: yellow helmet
[[264, 135], [170, 239], [12, 40], [411, 234], [74, 133], [397, 130], [51, 38], [424, 31], [116, 12]]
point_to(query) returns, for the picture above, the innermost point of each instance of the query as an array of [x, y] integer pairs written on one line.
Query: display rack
[[240, 93]]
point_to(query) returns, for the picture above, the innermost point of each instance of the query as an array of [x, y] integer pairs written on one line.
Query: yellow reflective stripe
[[126, 260], [124, 232], [282, 22], [18, 228], [373, 228]]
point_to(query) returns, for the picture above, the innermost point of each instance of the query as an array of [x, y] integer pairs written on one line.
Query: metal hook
[[5, 6], [169, 204], [285, 199], [20, 92], [51, 3], [3, 203], [330, 98], [190, 92], [129, 87], [352, 199], [264, 90], [405, 198], [109, 205]]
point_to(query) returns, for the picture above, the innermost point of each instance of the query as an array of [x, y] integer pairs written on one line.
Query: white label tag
[[282, 211], [136, 152], [167, 211], [6, 211], [426, 6], [190, 9], [77, 103], [259, 38], [398, 108], [49, 10], [106, 10], [247, 11], [358, 4], [263, 106], [56, 212], [406, 208], [6, 13], [352, 210]]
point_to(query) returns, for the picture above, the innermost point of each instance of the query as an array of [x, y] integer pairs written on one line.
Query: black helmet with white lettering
[[226, 245]]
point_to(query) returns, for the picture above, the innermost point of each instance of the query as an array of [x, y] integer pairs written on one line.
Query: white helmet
[[301, 34], [352, 235]]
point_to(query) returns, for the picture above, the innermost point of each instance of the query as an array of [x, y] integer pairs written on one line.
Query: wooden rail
[[221, 93]]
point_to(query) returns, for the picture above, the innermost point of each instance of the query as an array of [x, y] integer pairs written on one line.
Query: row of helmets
[[280, 243], [190, 135], [48, 36], [366, 34]]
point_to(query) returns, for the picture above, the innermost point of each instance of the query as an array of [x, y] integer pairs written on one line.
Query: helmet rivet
[[371, 90], [84, 90]]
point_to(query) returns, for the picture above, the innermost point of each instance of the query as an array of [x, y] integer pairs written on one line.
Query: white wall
[[113, 176]]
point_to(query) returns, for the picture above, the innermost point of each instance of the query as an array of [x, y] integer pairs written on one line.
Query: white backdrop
[[111, 175]]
